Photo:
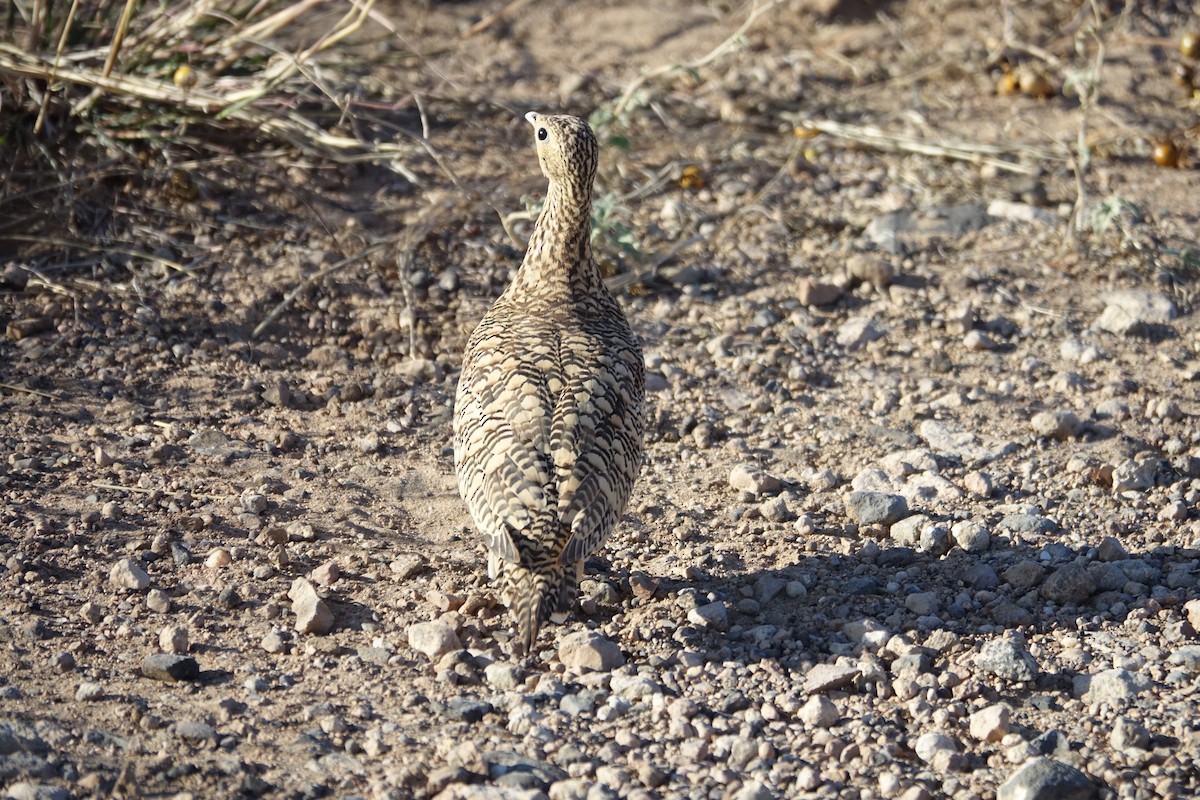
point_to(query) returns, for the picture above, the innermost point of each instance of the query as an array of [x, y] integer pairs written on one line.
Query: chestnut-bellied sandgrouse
[[548, 414]]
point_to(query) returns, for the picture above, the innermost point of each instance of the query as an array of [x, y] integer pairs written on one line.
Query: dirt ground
[[962, 363]]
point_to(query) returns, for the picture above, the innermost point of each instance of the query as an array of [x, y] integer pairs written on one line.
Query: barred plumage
[[548, 414]]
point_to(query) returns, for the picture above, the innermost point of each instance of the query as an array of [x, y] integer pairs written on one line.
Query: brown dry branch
[[994, 155]]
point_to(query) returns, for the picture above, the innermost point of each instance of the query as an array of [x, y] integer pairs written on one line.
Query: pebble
[[971, 536], [858, 332], [711, 615], [589, 651], [870, 269], [1134, 475], [1133, 311], [1060, 425], [923, 603], [978, 340], [218, 559], [1024, 574], [1111, 549], [126, 574], [1114, 687], [26, 790], [979, 483], [88, 691], [817, 293], [876, 508], [173, 639], [196, 731], [62, 662], [158, 600], [1187, 657], [928, 745], [827, 677], [326, 574], [1008, 658], [1071, 583], [1047, 779], [754, 790], [274, 642], [502, 676], [1128, 735], [91, 612], [749, 478], [313, 614], [435, 638], [819, 712], [991, 724], [169, 667]]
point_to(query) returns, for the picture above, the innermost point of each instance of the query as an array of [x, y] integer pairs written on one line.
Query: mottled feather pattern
[[548, 415]]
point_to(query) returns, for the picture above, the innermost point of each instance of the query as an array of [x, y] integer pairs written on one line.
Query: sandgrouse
[[548, 413]]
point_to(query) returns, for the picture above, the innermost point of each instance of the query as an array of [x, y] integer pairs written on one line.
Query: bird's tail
[[535, 595]]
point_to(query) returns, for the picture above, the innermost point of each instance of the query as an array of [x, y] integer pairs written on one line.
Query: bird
[[548, 412]]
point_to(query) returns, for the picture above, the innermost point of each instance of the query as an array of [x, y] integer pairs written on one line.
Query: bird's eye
[[542, 134]]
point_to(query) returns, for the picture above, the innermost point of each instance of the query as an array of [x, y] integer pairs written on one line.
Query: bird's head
[[566, 149]]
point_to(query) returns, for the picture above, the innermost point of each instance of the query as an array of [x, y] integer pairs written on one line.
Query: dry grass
[[97, 94]]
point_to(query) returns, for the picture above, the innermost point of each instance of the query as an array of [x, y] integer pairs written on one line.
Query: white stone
[[313, 615], [990, 724], [126, 574], [589, 651], [819, 712], [434, 638]]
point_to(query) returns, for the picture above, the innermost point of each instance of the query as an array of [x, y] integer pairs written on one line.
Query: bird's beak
[[532, 117]]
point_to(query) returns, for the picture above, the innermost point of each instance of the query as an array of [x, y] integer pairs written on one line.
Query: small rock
[[173, 639], [274, 643], [817, 293], [25, 790], [928, 745], [1127, 735], [971, 536], [1133, 475], [711, 615], [89, 691], [1133, 312], [871, 269], [1007, 658], [218, 559], [158, 600], [923, 603], [1112, 550], [502, 676], [326, 574], [876, 508], [754, 790], [62, 662], [1060, 425], [1113, 686], [748, 478], [126, 574], [313, 614], [857, 332], [990, 724], [827, 677], [103, 458], [196, 731], [1071, 583], [92, 612], [978, 483], [435, 638], [1024, 575], [169, 668], [978, 340], [819, 712], [1047, 779]]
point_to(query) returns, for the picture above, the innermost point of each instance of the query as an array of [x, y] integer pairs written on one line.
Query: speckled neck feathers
[[559, 265]]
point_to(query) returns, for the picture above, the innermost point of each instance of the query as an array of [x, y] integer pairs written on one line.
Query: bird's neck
[[559, 263]]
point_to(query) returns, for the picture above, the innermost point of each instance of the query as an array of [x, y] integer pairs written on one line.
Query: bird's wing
[[502, 437], [596, 442]]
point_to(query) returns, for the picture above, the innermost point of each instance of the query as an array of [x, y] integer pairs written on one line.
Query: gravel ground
[[921, 509]]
